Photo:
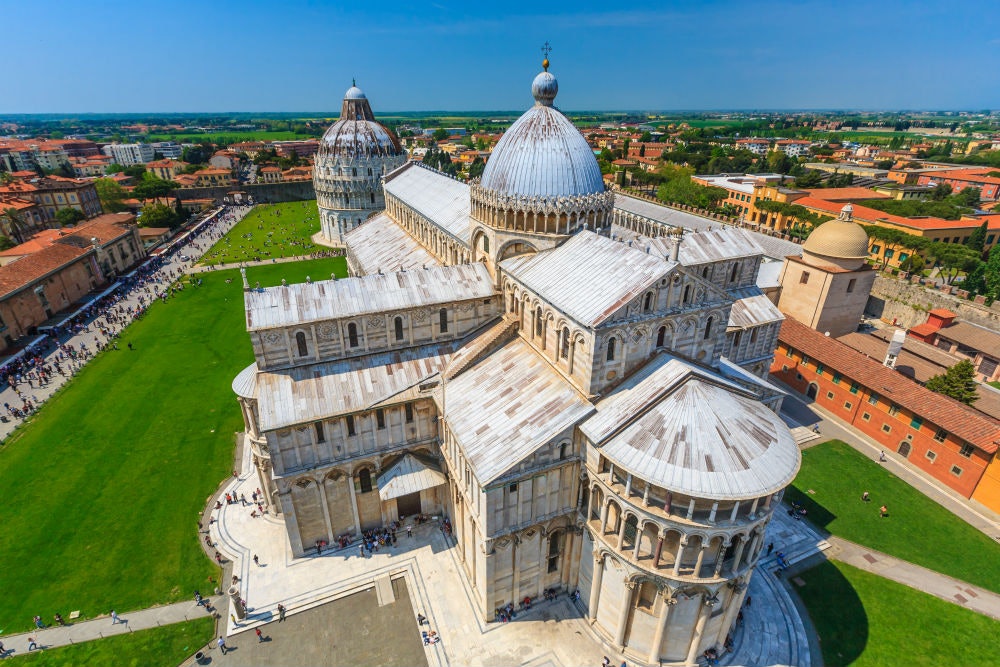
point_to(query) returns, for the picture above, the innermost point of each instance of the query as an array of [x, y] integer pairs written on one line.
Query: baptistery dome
[[353, 156], [357, 132]]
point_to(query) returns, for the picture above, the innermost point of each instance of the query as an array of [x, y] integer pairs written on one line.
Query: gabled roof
[[589, 277], [300, 303], [753, 311], [974, 336], [689, 430], [381, 244], [304, 394], [24, 271], [440, 198], [944, 412], [410, 474], [502, 409]]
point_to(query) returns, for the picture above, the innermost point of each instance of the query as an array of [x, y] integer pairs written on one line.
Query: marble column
[[701, 559], [699, 628], [681, 546], [595, 587], [661, 628], [354, 504], [623, 615]]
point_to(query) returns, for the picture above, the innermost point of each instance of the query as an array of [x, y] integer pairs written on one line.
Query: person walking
[[883, 511], [281, 613], [114, 617], [260, 637], [256, 559], [32, 645], [222, 644], [232, 617]]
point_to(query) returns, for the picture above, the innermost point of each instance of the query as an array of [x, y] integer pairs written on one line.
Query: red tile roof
[[25, 271], [943, 312], [947, 413]]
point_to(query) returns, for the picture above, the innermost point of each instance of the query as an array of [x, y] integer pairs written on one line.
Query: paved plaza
[[551, 633]]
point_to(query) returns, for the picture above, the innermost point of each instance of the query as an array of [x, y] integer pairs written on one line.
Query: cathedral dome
[[543, 154], [841, 238], [357, 133]]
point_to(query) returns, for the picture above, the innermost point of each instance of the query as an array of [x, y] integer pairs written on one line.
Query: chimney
[[895, 346], [675, 244]]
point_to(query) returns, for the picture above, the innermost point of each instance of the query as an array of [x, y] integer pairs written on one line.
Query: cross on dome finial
[[354, 82], [546, 50]]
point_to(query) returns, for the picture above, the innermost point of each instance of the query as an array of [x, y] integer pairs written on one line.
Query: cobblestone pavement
[[551, 633], [192, 249]]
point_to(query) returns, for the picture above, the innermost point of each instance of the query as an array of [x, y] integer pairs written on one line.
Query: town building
[[53, 193], [354, 154], [303, 149], [827, 287], [965, 340], [959, 179], [755, 146], [128, 155], [513, 354], [20, 218], [269, 174], [950, 441], [168, 169], [793, 147], [170, 150]]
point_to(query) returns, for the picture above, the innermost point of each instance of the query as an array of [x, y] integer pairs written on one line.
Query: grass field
[[864, 620], [229, 137], [167, 646], [269, 231], [830, 484], [103, 488]]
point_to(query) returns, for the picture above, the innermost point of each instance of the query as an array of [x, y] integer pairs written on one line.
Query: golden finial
[[546, 50]]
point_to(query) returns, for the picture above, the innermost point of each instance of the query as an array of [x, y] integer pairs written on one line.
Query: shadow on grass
[[837, 613], [817, 514]]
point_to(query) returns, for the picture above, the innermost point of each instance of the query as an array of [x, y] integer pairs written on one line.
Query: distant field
[[229, 137]]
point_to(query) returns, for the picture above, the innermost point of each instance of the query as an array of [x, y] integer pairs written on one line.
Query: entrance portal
[[408, 505]]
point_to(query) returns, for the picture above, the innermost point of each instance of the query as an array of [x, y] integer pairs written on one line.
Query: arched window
[[538, 321], [733, 275], [443, 320], [687, 294], [398, 326], [708, 328], [563, 448], [564, 347], [365, 480], [661, 336], [611, 349], [373, 197], [486, 243], [352, 334], [555, 543], [647, 304], [300, 341]]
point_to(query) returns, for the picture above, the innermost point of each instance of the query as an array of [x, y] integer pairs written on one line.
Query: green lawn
[[867, 621], [103, 488], [269, 230], [166, 646], [830, 484]]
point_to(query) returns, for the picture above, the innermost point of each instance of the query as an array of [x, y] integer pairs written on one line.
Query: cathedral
[[582, 392]]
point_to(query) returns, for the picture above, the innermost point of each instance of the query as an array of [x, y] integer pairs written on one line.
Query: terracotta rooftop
[[947, 413], [974, 336], [25, 271]]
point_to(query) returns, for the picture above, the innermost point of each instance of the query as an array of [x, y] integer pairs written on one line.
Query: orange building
[[948, 440]]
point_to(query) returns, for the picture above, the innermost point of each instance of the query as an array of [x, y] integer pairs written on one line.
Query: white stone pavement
[[552, 633], [192, 249]]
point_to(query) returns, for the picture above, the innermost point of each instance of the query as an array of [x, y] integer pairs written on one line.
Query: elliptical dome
[[543, 154], [841, 238]]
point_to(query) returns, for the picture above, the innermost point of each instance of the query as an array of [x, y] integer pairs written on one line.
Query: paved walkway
[[192, 249], [939, 585], [261, 262], [99, 628], [808, 413]]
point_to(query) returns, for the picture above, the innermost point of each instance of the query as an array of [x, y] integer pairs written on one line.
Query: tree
[[6, 243], [953, 258], [977, 239], [66, 217], [111, 194], [913, 263], [440, 134], [992, 274], [136, 171], [967, 197], [778, 162], [18, 226], [151, 187], [811, 179], [940, 191], [476, 168], [646, 137], [158, 215], [114, 168], [198, 154], [958, 382]]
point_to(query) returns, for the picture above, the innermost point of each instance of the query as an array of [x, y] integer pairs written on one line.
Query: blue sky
[[221, 55]]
